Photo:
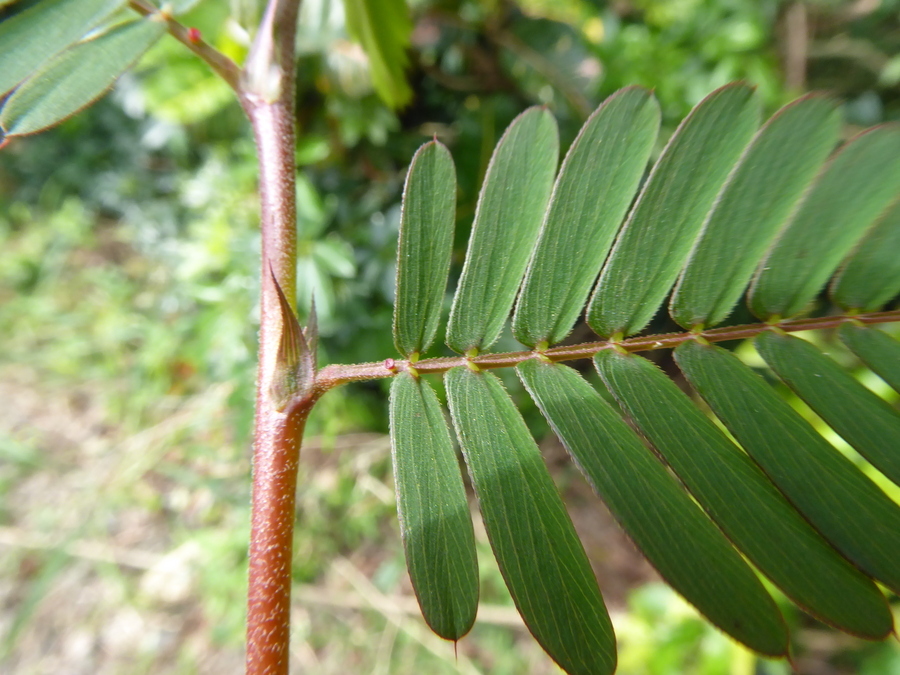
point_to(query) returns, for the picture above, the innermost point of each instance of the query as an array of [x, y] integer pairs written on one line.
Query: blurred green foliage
[[129, 248]]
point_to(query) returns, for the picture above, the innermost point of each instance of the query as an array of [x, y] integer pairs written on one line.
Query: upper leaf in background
[[77, 76], [383, 28], [596, 183], [30, 38], [658, 235], [754, 204], [425, 246], [510, 210], [857, 185]]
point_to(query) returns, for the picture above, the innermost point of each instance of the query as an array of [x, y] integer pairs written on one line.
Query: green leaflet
[[755, 202], [857, 185], [383, 28], [850, 511], [31, 37], [425, 247], [878, 350], [751, 511], [596, 184], [77, 76], [541, 558], [658, 235], [870, 276], [434, 513], [509, 214], [674, 534], [863, 419]]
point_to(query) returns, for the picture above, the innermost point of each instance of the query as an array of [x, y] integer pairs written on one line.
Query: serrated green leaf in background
[[539, 553], [31, 37], [77, 77], [850, 511], [425, 246], [853, 189], [433, 510], [595, 186], [870, 276], [754, 204], [383, 28], [862, 419], [878, 350], [751, 511], [510, 210], [657, 237], [669, 528]]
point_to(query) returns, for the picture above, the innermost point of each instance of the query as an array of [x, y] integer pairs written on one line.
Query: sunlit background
[[128, 318]]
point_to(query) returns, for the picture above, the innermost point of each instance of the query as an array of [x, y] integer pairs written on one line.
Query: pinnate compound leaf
[[853, 189], [539, 553], [76, 77], [383, 28], [878, 350], [743, 502], [596, 184], [434, 514], [870, 276], [510, 209], [863, 419], [847, 508], [32, 36], [754, 204], [657, 237], [425, 247], [654, 510]]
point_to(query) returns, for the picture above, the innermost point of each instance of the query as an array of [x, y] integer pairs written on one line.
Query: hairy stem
[[335, 375], [267, 96]]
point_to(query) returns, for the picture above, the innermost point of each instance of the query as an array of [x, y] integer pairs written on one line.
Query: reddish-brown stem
[[337, 374], [267, 96], [221, 64]]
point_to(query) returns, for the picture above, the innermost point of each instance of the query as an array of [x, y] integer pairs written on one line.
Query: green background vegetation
[[128, 287]]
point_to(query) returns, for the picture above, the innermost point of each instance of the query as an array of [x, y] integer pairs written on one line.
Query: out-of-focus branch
[[190, 38]]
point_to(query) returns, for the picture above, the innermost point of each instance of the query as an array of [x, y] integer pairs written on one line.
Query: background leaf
[[511, 207], [383, 28], [76, 77], [539, 553], [596, 184], [425, 246], [434, 513], [31, 37]]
